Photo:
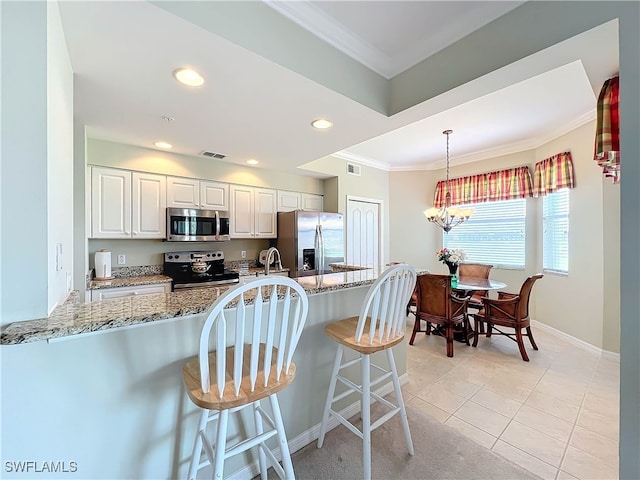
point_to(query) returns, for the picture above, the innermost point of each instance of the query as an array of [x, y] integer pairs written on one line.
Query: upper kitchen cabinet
[[253, 212], [193, 193], [289, 201], [311, 202], [127, 204]]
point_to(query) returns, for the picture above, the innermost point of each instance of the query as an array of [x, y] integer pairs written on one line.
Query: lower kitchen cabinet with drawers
[[118, 292]]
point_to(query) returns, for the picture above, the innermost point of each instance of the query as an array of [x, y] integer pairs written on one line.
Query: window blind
[[495, 234], [555, 225]]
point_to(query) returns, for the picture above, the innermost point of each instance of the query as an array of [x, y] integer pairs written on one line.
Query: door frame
[[380, 204]]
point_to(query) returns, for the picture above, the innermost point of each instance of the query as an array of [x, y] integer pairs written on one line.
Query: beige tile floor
[[556, 415]]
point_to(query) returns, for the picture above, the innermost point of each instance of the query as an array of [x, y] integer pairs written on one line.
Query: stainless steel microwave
[[193, 225]]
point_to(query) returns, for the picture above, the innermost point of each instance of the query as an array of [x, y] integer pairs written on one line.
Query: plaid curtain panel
[[552, 174], [509, 184], [607, 144], [485, 187]]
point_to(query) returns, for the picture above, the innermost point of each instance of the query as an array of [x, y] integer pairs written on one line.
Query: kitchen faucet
[[271, 252]]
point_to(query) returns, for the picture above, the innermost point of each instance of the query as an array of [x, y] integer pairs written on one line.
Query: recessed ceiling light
[[162, 145], [188, 77], [253, 161], [322, 123]]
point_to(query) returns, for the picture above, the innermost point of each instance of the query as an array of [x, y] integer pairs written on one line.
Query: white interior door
[[363, 232]]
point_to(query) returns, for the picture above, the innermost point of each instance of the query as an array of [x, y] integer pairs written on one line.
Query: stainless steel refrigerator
[[309, 241]]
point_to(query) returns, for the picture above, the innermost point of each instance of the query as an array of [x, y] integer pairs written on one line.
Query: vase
[[453, 271]]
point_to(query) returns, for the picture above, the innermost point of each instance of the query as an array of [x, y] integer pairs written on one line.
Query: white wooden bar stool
[[252, 359], [380, 326]]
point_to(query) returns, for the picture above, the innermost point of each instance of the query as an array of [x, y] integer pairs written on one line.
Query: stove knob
[[177, 256], [170, 257]]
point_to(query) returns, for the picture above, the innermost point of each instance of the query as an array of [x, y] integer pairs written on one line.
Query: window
[[494, 234], [555, 227]]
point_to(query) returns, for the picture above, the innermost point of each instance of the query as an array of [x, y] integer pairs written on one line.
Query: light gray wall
[[611, 259], [59, 161], [372, 183], [629, 14], [582, 319], [36, 160], [118, 155]]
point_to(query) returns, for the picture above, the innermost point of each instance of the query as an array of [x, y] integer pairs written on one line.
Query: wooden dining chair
[[252, 361], [509, 310], [437, 305], [475, 270]]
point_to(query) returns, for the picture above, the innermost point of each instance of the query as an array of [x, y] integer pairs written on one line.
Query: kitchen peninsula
[[114, 372]]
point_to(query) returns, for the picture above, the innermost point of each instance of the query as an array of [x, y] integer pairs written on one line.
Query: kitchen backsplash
[[151, 252]]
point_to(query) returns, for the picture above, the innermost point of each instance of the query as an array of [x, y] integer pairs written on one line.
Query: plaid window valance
[[486, 187], [607, 144], [552, 174]]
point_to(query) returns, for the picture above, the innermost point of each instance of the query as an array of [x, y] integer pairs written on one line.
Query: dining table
[[464, 287]]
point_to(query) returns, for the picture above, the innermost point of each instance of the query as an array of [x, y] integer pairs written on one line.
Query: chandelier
[[447, 216]]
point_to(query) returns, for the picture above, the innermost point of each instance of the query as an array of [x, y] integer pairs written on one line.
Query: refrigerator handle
[[321, 249], [316, 247]]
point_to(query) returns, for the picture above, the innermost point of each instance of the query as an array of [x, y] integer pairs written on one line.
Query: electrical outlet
[[122, 259], [243, 253]]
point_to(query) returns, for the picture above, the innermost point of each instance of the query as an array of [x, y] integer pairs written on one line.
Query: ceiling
[[123, 55]]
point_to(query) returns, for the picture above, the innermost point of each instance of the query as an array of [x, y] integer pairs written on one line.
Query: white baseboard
[[615, 357], [312, 434]]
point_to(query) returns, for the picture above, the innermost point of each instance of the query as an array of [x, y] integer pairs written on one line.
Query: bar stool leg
[[400, 401], [330, 393], [221, 445], [282, 437], [260, 430], [197, 446], [365, 365]]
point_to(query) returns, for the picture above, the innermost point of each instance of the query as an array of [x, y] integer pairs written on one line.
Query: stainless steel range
[[198, 269]]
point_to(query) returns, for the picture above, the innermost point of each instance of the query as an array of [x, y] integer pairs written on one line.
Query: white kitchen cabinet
[[214, 195], [110, 203], [312, 202], [149, 206], [289, 201], [119, 292], [194, 193], [252, 212], [127, 204]]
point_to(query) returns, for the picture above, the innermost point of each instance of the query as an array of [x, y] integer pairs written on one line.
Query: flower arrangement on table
[[451, 256]]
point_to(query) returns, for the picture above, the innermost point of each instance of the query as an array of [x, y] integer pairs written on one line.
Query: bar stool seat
[[252, 361], [379, 327]]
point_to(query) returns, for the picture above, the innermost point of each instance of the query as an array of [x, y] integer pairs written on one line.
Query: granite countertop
[[128, 281], [73, 317]]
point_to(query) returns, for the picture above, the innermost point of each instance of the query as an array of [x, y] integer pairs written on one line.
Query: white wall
[[59, 160], [118, 155], [372, 183], [574, 303], [36, 160]]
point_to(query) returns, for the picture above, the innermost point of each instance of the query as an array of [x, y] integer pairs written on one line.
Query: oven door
[[193, 225]]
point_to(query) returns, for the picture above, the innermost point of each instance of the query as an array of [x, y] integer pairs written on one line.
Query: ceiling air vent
[[213, 154], [353, 169]]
